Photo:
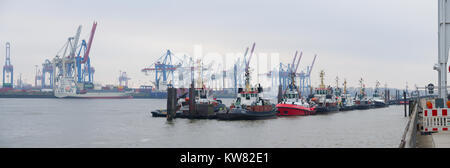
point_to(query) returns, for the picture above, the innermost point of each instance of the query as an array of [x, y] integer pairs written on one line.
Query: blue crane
[[86, 70], [163, 68], [285, 71], [305, 78]]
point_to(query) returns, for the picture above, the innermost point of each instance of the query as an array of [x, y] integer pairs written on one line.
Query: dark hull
[[243, 114], [380, 105], [326, 109], [163, 113], [363, 106], [346, 108], [203, 111]]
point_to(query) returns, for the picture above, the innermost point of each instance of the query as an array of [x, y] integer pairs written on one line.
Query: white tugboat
[[378, 99], [346, 101], [249, 103]]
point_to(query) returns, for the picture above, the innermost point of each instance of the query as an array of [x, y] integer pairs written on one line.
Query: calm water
[[128, 123]]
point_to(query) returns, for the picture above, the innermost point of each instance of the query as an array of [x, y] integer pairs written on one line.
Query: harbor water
[[128, 123]]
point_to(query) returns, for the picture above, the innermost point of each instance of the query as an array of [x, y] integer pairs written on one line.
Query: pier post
[[404, 100], [280, 93], [191, 100], [171, 103]]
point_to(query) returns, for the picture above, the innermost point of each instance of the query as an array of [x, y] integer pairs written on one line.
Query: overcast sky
[[393, 41]]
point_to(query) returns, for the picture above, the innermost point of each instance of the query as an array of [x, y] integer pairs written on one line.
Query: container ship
[[68, 88]]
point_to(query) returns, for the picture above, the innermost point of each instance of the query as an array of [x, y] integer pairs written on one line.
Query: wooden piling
[[280, 93], [191, 100], [404, 100], [171, 103]]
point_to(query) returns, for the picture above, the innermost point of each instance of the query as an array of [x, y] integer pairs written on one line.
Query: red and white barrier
[[436, 119]]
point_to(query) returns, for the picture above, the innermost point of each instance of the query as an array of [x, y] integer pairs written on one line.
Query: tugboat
[[292, 103], [249, 104], [206, 106], [345, 100], [324, 99], [378, 99], [361, 101], [163, 113]]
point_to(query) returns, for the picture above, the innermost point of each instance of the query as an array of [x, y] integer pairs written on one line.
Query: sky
[[393, 42]]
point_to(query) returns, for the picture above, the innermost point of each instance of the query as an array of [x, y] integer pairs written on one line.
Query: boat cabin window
[[323, 92], [292, 96], [201, 93]]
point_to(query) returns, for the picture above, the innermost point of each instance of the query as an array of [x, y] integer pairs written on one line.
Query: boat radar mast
[[337, 82], [362, 87], [345, 86], [322, 74]]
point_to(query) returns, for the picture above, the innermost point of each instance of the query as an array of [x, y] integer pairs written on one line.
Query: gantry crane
[[37, 77], [68, 73], [8, 69], [83, 59], [123, 79], [286, 71], [305, 78], [163, 68], [47, 67]]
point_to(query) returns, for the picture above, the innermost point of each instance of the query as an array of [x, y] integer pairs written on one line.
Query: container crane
[[305, 78], [85, 71], [123, 79], [285, 71], [68, 73], [293, 73], [47, 67], [163, 68], [8, 69], [37, 77]]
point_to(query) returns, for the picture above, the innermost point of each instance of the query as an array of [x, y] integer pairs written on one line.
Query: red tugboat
[[292, 103]]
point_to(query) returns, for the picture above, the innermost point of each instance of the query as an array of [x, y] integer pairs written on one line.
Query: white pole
[[443, 42]]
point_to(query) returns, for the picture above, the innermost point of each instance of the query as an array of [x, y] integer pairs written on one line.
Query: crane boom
[[250, 57], [298, 62], [293, 61], [75, 42], [91, 38], [312, 65]]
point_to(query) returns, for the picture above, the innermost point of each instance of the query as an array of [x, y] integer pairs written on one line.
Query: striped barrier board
[[436, 119]]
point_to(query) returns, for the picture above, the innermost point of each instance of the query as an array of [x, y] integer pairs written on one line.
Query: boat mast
[[345, 86], [247, 70], [362, 93], [376, 87], [322, 74]]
